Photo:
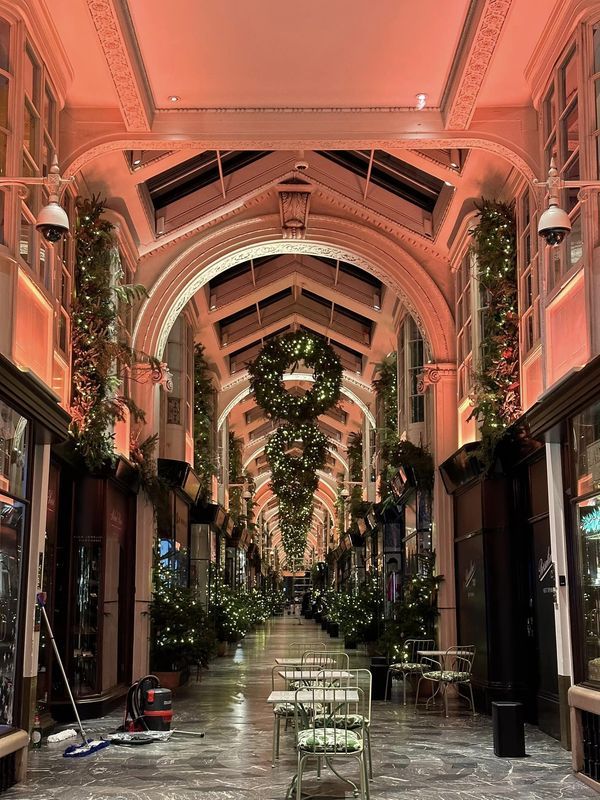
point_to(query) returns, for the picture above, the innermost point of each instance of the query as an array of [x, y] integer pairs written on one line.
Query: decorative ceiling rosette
[[287, 353]]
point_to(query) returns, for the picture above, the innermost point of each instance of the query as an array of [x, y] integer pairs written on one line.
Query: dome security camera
[[52, 222], [554, 225], [301, 166]]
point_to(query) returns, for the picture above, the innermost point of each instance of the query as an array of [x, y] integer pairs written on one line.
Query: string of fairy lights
[[294, 478]]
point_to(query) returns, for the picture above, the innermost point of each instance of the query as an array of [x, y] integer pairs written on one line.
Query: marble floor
[[420, 756]]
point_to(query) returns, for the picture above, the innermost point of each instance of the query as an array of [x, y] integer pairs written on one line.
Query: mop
[[87, 746]]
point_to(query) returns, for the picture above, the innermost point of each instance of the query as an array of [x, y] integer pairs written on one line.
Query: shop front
[[30, 420]]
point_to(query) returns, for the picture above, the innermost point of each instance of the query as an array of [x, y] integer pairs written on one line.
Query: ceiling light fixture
[[174, 98], [449, 183], [421, 101]]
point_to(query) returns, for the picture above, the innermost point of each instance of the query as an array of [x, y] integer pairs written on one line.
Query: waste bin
[[509, 729], [379, 669]]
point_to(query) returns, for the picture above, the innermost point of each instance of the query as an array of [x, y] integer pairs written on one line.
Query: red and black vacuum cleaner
[[148, 715], [149, 706]]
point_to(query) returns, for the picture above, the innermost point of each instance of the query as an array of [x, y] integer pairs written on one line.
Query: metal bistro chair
[[296, 649], [453, 669], [327, 732], [410, 663], [359, 714], [325, 659], [280, 711]]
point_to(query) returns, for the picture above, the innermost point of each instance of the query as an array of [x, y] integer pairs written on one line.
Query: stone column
[[440, 380]]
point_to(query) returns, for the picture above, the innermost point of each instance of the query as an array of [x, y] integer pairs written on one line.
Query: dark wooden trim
[[573, 394], [31, 398]]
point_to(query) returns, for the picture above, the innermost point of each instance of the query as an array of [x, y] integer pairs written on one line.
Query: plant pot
[[169, 680], [333, 629], [379, 669], [350, 644], [324, 623], [317, 616], [221, 649], [371, 648]]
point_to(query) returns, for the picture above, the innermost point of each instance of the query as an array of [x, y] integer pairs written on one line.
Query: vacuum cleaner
[[148, 715]]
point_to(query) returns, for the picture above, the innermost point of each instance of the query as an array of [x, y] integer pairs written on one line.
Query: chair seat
[[448, 676], [407, 666], [284, 709], [330, 740]]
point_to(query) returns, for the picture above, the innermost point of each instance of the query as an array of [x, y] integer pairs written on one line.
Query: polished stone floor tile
[[422, 756]]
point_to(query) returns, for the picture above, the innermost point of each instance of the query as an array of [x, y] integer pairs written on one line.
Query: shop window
[[527, 261], [416, 348], [464, 325], [561, 130], [585, 433]]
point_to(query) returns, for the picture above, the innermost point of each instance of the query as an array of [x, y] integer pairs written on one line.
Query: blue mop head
[[80, 750]]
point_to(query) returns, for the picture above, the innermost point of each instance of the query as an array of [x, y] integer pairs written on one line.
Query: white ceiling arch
[[330, 450], [298, 376]]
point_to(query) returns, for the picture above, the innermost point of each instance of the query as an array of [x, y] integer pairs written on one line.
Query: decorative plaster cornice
[[120, 63], [459, 111]]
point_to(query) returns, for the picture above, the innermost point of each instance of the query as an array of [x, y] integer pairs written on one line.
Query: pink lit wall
[[567, 331]]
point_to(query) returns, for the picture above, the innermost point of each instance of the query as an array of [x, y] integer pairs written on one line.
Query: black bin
[[509, 729], [379, 670]]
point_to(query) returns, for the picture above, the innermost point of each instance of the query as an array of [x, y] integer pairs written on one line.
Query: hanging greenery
[[236, 449], [286, 353], [100, 351], [204, 458], [414, 459], [496, 391], [386, 392], [284, 467], [294, 478], [355, 455]]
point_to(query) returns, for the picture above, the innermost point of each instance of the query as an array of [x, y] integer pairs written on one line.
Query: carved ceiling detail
[[479, 57], [113, 44], [294, 204]]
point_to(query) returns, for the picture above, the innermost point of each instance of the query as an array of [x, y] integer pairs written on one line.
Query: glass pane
[[525, 210], [4, 87], [50, 114], [569, 79], [597, 49], [45, 272], [549, 113], [3, 146], [575, 243], [551, 153], [30, 133], [86, 617], [31, 74], [26, 241], [4, 45], [2, 241], [12, 520], [63, 332], [570, 129], [588, 525], [13, 451]]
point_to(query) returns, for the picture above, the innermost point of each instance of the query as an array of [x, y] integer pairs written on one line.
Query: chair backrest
[[295, 649], [320, 707], [363, 680], [459, 658], [412, 647], [334, 659]]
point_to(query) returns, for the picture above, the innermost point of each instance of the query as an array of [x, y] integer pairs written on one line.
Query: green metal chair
[[453, 669], [410, 663]]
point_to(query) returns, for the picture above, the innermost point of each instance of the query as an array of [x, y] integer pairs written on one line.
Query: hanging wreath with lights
[[286, 467], [286, 353]]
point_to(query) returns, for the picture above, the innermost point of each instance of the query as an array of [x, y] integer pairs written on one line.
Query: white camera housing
[[554, 225], [52, 221]]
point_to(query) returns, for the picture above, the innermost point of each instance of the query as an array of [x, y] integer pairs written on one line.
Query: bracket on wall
[[294, 205]]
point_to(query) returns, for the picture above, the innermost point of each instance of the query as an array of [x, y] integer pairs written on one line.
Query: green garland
[[204, 461], [294, 479], [286, 352], [496, 392], [355, 455], [284, 467], [99, 348], [386, 391]]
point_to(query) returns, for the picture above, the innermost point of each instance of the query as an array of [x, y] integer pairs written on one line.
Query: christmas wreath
[[286, 467], [287, 352]]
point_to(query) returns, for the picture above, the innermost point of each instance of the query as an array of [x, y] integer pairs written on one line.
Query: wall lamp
[[554, 224], [52, 220]]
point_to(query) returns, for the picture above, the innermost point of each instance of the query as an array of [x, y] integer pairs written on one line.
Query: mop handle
[[41, 600]]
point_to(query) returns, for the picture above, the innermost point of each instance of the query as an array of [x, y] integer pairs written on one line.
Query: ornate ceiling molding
[[125, 72], [461, 107]]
